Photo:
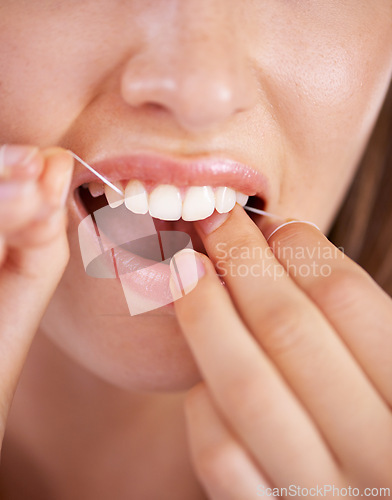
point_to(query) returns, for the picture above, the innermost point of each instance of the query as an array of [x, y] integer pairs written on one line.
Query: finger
[[53, 186], [38, 232], [57, 175], [223, 466], [300, 341], [28, 278], [358, 309], [19, 162], [248, 390], [20, 167]]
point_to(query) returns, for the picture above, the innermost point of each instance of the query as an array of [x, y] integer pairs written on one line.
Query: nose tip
[[202, 77], [198, 98]]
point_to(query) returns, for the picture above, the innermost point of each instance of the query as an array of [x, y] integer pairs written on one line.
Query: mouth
[[171, 190], [174, 194]]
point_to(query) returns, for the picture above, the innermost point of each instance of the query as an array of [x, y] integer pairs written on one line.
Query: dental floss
[[115, 188], [100, 176], [262, 212]]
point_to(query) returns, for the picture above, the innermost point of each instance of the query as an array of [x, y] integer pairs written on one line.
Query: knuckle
[[283, 327], [289, 236], [246, 398], [340, 290]]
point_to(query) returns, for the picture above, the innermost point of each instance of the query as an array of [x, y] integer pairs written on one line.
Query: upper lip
[[160, 169]]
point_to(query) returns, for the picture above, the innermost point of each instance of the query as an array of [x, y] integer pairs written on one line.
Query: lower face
[[289, 89]]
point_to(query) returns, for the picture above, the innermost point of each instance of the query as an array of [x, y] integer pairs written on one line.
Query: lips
[[155, 169], [153, 172], [170, 189]]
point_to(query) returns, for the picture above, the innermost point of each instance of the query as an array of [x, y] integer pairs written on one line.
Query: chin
[[143, 353]]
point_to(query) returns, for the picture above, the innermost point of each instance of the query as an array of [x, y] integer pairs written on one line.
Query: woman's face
[[289, 88]]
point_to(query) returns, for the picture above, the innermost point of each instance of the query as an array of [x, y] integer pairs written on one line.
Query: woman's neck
[[77, 436]]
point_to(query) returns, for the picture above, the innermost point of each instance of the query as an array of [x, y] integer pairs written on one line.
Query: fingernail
[[212, 222], [16, 160], [273, 228], [186, 269]]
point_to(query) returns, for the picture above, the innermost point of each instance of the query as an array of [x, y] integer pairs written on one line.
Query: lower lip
[[147, 288], [145, 282]]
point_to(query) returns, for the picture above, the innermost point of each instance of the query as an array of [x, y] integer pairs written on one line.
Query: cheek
[[41, 89], [142, 353], [329, 89], [326, 90], [52, 60]]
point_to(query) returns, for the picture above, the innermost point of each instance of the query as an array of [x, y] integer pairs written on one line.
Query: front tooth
[[199, 203], [136, 197], [165, 202], [96, 189], [242, 199], [114, 199], [225, 199]]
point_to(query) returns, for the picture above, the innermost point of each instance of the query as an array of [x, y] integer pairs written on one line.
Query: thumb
[[33, 264]]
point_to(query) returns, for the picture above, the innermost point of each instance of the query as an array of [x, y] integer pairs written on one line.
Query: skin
[[292, 89]]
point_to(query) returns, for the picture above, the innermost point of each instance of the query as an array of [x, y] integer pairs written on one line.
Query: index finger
[[295, 334]]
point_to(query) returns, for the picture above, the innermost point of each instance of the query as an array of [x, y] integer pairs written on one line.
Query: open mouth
[[172, 208], [132, 236]]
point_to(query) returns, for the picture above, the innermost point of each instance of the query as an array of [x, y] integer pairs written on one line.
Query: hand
[[296, 365], [33, 251]]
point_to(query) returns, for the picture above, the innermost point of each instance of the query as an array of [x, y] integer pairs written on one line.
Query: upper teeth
[[136, 198], [168, 202], [199, 203]]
